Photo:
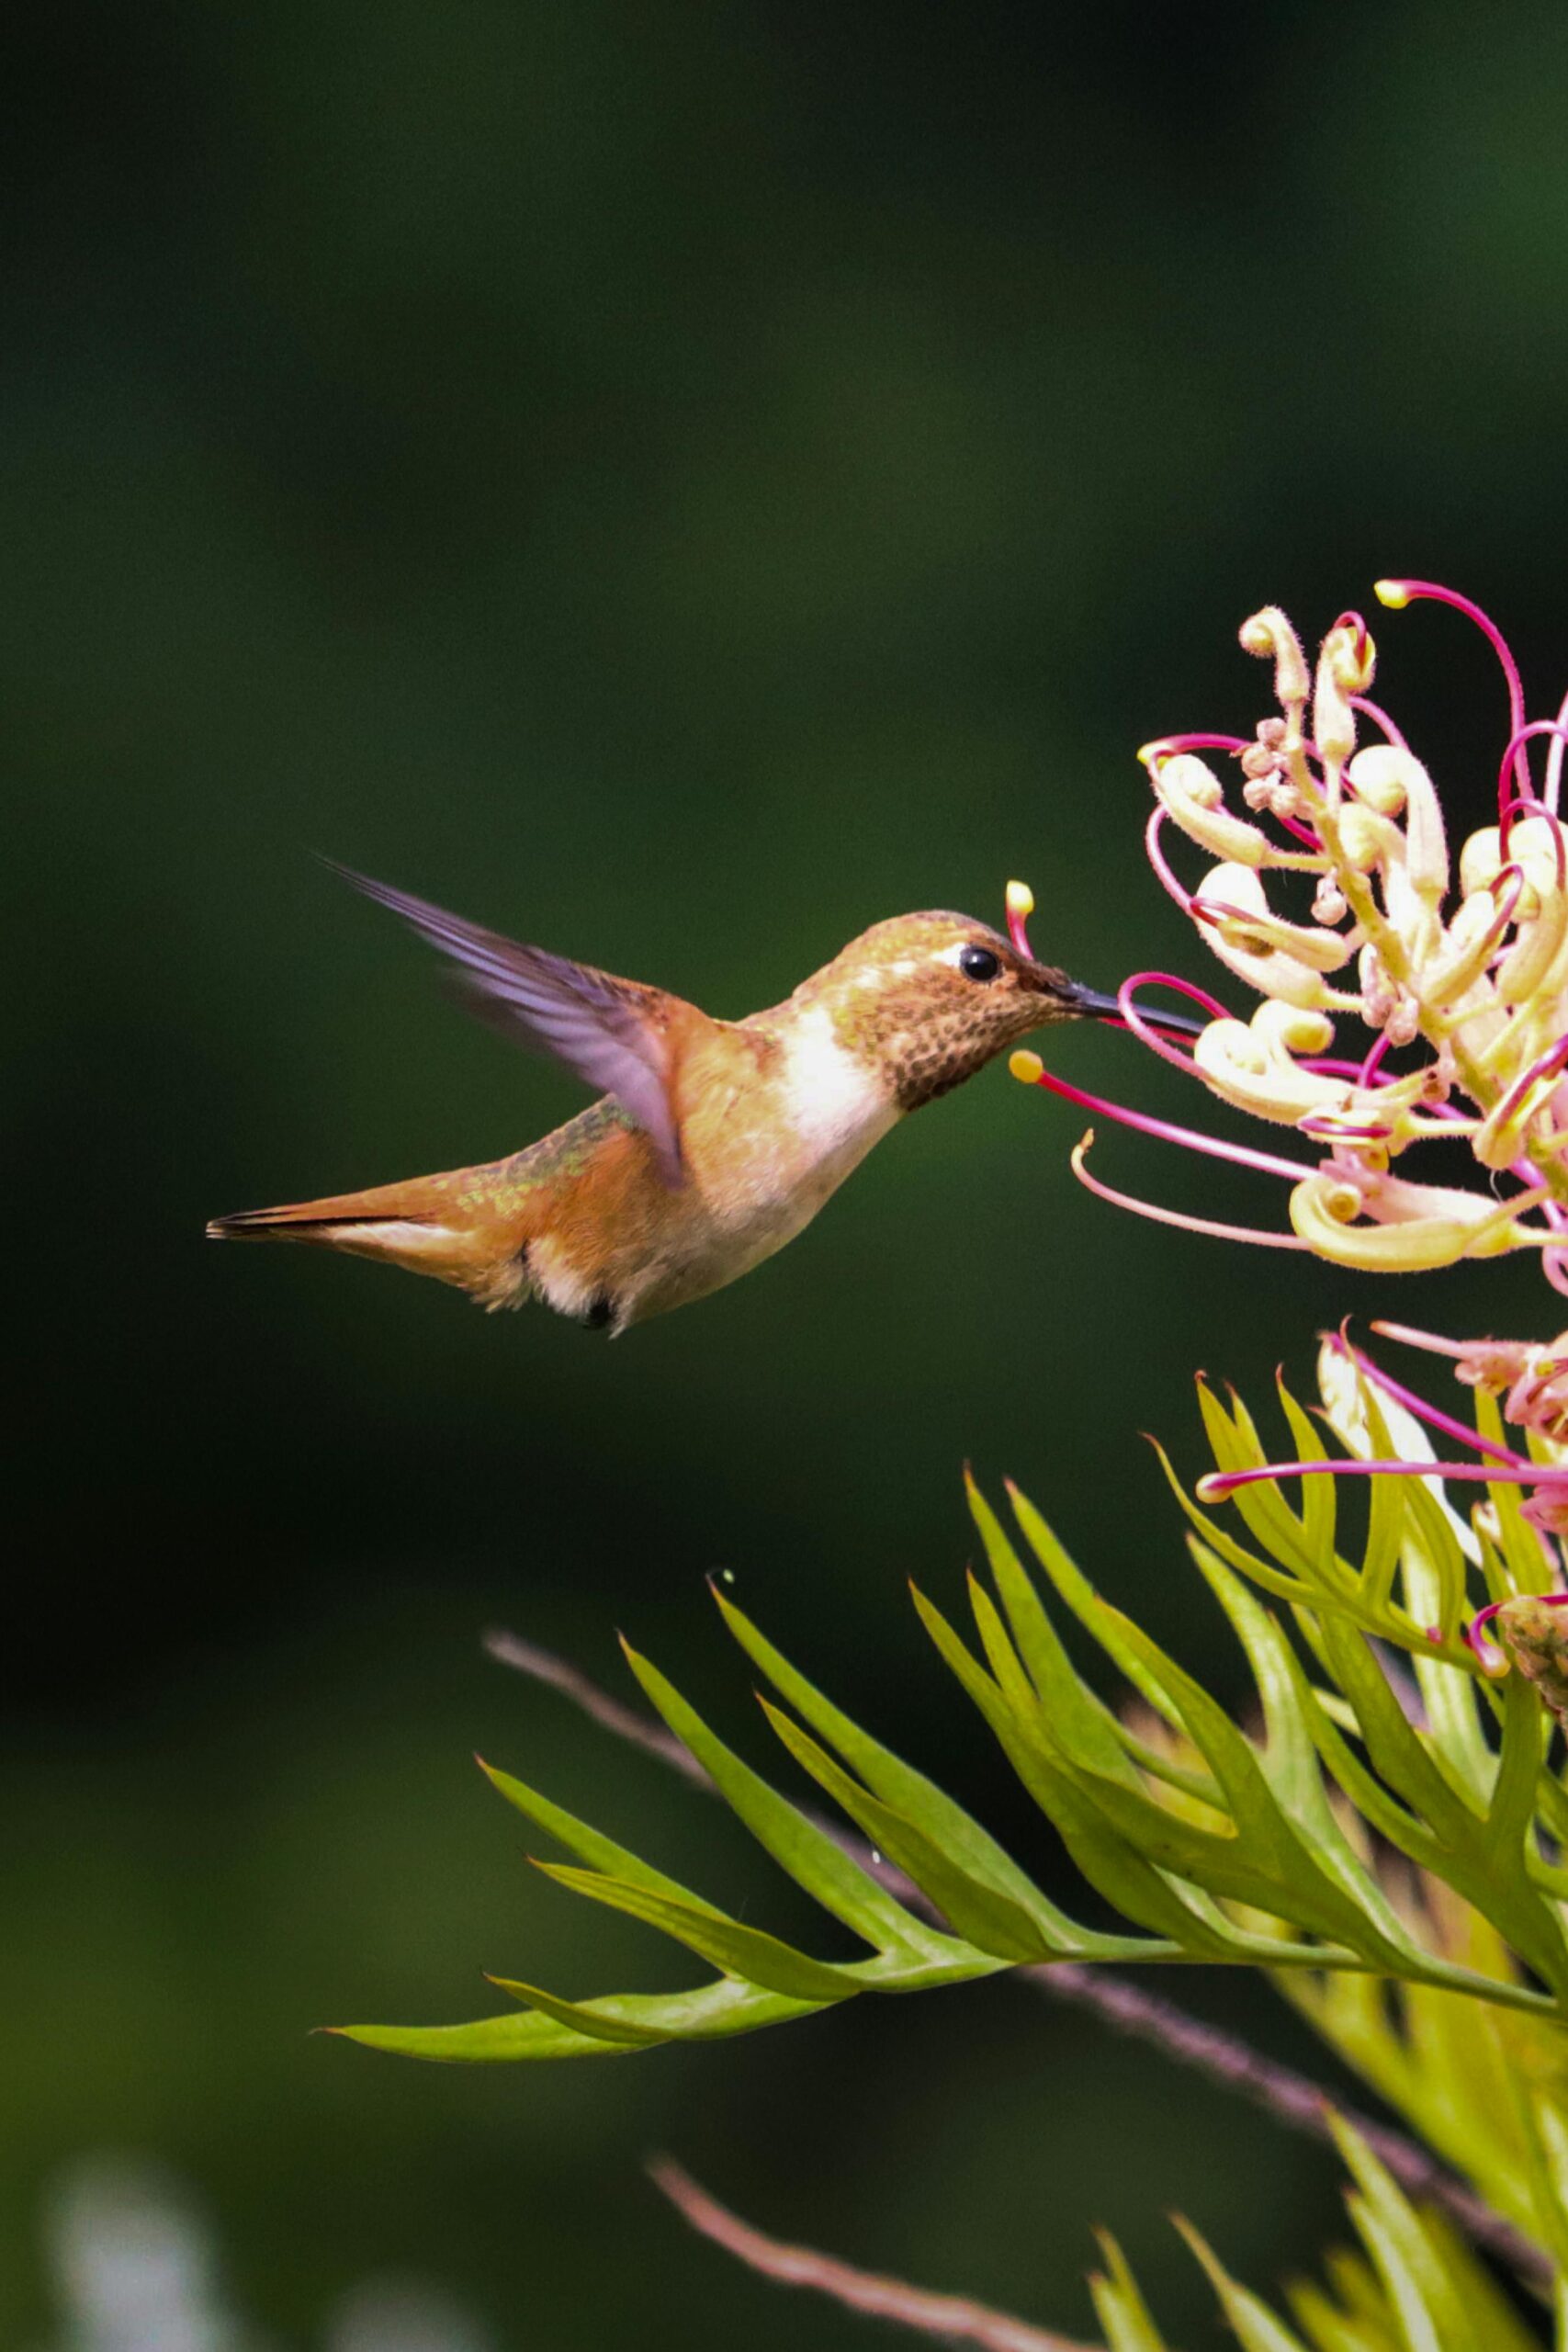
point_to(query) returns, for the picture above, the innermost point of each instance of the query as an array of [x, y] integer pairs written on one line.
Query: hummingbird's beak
[[1107, 1008]]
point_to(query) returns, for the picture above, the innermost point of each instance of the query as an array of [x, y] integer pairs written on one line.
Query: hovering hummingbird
[[715, 1143]]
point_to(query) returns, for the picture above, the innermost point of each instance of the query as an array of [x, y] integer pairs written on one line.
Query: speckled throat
[[919, 1024]]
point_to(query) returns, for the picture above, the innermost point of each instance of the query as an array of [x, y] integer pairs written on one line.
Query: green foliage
[[1413, 2287], [1210, 1844], [1383, 1838]]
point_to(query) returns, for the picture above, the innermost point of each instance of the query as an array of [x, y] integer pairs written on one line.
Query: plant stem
[[952, 2317]]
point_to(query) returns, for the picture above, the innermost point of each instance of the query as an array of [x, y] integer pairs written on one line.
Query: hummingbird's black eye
[[979, 964]]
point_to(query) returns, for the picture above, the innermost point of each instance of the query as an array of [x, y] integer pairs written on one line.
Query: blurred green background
[[680, 484]]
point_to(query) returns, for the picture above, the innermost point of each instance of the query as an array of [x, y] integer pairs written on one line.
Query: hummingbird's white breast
[[838, 1105]]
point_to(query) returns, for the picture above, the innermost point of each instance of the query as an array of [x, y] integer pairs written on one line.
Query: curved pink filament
[[1429, 590], [1412, 1403], [1217, 1484], [1554, 760], [1547, 1066], [1379, 718], [1508, 802], [1240, 1155], [1017, 932], [1198, 744], [1368, 1068], [1141, 1024], [1158, 1216], [1214, 911], [1156, 858], [1188, 989], [1513, 876], [1325, 1066]]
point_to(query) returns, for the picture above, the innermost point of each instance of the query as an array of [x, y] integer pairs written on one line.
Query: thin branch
[[1292, 2098], [952, 2318], [633, 1724]]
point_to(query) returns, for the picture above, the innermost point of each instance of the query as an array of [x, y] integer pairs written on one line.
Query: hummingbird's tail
[[426, 1225]]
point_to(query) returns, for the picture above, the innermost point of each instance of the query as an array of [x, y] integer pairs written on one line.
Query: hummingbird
[[714, 1142]]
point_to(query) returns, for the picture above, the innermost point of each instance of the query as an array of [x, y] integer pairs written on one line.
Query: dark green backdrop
[[678, 484]]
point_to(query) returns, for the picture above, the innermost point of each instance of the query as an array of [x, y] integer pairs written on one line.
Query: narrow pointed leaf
[[1405, 2258], [986, 1919], [1255, 2327], [1319, 1501], [1290, 1762], [827, 1874], [1113, 1865], [1262, 1508], [1267, 1848], [708, 2013], [749, 1953], [1118, 2304], [886, 1775], [582, 2016], [1014, 1684], [601, 1853], [1417, 2323], [1387, 1512], [1074, 1590]]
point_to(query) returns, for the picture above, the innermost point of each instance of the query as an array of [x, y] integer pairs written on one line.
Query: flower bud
[[1269, 632], [1344, 668], [1194, 797], [1378, 776], [1295, 1030], [1480, 859]]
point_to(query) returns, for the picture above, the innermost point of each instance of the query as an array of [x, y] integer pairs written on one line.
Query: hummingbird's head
[[927, 999]]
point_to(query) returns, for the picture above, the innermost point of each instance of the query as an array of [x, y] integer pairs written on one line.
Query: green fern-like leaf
[[1211, 1845]]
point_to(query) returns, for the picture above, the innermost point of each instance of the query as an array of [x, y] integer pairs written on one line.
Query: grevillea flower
[[1331, 892]]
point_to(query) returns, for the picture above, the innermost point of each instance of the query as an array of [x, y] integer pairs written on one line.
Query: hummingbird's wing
[[605, 1029]]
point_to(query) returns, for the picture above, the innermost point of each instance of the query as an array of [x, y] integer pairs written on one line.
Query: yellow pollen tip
[[1028, 1068], [1148, 753], [1392, 593], [1020, 898]]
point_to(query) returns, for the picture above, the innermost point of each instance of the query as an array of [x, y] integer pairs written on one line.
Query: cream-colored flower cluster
[[1458, 966]]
